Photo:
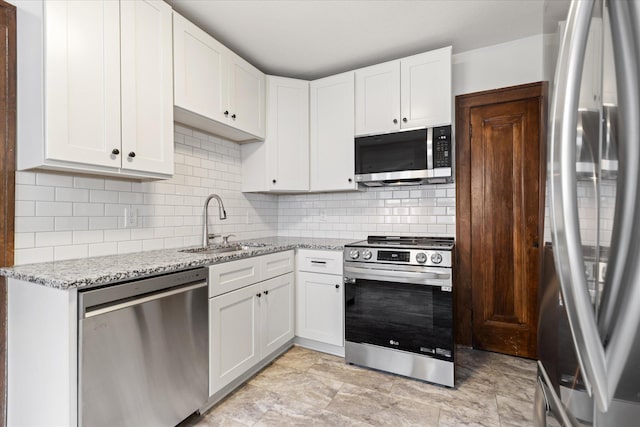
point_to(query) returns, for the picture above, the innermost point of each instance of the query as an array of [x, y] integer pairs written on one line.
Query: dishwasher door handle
[[101, 309]]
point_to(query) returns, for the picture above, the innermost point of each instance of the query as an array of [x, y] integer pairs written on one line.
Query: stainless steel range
[[399, 306]]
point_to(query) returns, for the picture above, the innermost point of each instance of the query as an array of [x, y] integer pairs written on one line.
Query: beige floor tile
[[304, 387], [315, 390], [381, 409]]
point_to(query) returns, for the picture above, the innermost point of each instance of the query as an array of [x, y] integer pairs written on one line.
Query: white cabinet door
[[229, 276], [331, 133], [287, 134], [246, 96], [319, 307], [199, 62], [147, 86], [378, 98], [426, 89], [234, 346], [82, 81], [276, 312]]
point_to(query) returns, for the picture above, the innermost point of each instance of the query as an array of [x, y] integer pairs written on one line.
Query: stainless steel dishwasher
[[143, 353]]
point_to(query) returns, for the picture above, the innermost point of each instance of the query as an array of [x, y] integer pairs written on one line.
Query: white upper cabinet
[[147, 86], [107, 93], [408, 93], [281, 162], [215, 89], [331, 133], [378, 98]]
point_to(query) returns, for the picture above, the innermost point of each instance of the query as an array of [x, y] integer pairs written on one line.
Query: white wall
[[506, 64], [61, 215]]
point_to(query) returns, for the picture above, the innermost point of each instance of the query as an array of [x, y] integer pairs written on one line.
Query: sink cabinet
[[251, 314], [96, 87]]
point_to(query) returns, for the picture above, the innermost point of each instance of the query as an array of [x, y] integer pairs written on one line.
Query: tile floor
[[305, 387]]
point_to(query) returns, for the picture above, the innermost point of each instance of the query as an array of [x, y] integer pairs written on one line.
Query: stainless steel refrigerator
[[588, 333]]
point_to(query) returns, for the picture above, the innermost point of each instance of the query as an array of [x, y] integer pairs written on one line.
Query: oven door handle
[[418, 278]]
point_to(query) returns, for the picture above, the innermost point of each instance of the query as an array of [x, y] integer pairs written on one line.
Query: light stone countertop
[[86, 272]]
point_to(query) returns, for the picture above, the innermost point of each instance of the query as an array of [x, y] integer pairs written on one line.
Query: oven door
[[409, 311]]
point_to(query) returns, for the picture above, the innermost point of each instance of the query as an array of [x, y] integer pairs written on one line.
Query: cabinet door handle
[[266, 292], [132, 154], [274, 181], [404, 119], [258, 295], [226, 113], [318, 262], [115, 151], [395, 121], [350, 180], [337, 286], [233, 116]]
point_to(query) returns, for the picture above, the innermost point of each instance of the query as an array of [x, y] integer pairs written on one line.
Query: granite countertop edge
[[96, 271]]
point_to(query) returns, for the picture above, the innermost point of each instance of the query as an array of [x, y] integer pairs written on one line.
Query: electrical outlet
[[130, 217]]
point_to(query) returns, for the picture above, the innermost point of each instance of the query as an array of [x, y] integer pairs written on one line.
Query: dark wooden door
[[505, 177]]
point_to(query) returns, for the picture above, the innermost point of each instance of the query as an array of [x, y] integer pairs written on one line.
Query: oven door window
[[413, 318], [392, 152]]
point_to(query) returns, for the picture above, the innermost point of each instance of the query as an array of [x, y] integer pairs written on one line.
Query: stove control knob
[[366, 254], [436, 258], [421, 258], [354, 253]]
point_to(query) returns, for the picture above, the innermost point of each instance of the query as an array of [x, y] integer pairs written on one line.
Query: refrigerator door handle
[[565, 229], [619, 315]]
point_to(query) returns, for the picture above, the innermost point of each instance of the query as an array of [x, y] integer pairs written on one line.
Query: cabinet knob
[[404, 119], [395, 121], [350, 180], [115, 151], [226, 113], [266, 292], [132, 154], [258, 295], [337, 286], [233, 116], [274, 181]]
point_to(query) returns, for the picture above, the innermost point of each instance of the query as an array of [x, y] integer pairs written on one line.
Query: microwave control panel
[[442, 147]]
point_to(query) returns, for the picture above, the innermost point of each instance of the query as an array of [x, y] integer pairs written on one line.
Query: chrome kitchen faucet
[[222, 213]]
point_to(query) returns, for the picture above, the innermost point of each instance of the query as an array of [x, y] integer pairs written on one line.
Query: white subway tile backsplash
[[99, 196], [72, 194], [102, 249], [117, 185], [33, 192], [54, 209], [70, 252], [53, 238], [89, 183], [24, 240], [25, 208], [32, 255], [32, 224], [71, 223], [88, 236], [54, 179]]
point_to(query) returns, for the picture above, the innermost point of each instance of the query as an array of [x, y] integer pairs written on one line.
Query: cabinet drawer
[[276, 264], [314, 261], [233, 275]]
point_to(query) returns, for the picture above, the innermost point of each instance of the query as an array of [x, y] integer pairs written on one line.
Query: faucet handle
[[213, 236], [225, 239]]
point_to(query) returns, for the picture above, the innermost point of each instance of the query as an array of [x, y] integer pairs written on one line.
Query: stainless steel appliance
[[143, 353], [399, 306], [405, 158], [589, 322]]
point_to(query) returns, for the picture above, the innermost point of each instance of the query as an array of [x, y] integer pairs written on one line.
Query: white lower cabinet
[[251, 321], [319, 302], [320, 299]]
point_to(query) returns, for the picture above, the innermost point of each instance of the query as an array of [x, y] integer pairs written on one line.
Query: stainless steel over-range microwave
[[404, 158]]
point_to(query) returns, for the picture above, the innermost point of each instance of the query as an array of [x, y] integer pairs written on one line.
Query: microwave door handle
[[565, 228], [429, 148], [626, 320]]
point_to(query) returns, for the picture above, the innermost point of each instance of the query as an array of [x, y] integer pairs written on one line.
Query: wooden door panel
[[504, 182]]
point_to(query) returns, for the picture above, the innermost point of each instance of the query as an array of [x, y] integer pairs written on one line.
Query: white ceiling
[[314, 38]]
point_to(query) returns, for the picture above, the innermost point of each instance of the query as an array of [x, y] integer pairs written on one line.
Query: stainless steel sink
[[220, 249]]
